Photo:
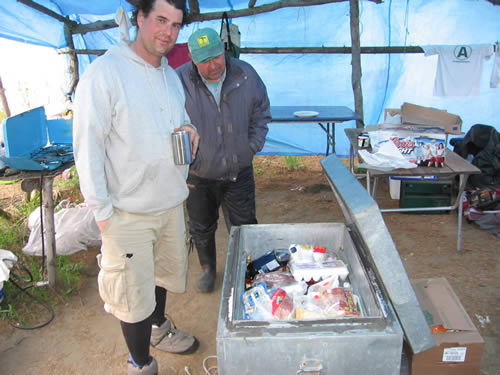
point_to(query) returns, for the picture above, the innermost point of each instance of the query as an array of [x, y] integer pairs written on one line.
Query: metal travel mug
[[181, 146]]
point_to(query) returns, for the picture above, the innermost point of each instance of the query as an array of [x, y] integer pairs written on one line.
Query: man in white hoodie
[[127, 104]]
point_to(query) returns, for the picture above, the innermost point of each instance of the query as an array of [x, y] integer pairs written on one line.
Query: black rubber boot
[[206, 254], [206, 282]]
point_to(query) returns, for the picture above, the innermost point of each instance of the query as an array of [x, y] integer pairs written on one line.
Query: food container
[[369, 344], [363, 140], [181, 146]]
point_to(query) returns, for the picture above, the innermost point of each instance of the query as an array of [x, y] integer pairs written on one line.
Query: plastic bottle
[[301, 253], [263, 264], [319, 254]]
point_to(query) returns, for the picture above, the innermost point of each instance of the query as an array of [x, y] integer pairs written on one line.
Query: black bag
[[230, 36], [483, 142]]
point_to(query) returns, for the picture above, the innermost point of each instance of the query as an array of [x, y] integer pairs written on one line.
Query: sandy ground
[[83, 339]]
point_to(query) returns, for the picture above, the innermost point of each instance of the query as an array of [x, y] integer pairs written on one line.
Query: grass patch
[[68, 187], [23, 310], [292, 162], [258, 170], [18, 307], [68, 274]]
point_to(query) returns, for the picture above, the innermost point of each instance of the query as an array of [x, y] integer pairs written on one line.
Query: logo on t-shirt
[[462, 53]]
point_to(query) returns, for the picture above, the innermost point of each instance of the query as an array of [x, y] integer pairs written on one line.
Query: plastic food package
[[327, 303], [283, 280], [282, 305], [328, 283], [274, 279], [257, 303], [318, 271], [338, 302]]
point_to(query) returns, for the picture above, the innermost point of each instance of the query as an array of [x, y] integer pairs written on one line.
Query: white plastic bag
[[75, 228]]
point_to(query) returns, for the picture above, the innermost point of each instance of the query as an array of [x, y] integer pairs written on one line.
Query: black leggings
[[137, 335]]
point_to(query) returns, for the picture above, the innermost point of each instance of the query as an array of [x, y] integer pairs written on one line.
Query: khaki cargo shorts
[[138, 252]]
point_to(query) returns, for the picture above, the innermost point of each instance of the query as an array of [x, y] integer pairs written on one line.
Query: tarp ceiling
[[315, 79]]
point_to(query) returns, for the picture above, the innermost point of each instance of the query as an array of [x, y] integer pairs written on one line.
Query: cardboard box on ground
[[459, 346]]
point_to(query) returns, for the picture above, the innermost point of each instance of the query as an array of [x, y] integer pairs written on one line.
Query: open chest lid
[[363, 217]]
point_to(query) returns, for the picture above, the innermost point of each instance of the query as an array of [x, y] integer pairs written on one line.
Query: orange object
[[438, 328]]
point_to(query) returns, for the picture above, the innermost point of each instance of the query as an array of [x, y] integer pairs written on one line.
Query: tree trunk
[[5, 104], [356, 62]]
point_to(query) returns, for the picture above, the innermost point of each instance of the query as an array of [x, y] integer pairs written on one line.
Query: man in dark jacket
[[227, 101]]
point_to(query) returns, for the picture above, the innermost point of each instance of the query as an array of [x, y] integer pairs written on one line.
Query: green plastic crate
[[417, 193]]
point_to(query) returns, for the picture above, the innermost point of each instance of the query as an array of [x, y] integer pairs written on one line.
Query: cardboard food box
[[421, 145], [418, 115], [459, 346]]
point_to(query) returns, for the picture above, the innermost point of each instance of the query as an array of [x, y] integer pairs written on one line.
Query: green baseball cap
[[205, 44]]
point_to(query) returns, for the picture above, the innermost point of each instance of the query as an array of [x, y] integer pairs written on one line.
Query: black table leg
[[327, 138]]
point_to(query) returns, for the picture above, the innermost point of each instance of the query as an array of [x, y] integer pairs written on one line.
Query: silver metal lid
[[362, 214]]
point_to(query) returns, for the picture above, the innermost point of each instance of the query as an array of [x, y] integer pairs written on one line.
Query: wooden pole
[[199, 17], [356, 61], [48, 12], [73, 62], [293, 50], [49, 230], [3, 97], [194, 7], [332, 50]]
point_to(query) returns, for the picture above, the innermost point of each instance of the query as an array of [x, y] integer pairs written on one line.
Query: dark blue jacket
[[232, 134]]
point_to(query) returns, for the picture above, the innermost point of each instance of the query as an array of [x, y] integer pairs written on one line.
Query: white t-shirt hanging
[[495, 74], [459, 68]]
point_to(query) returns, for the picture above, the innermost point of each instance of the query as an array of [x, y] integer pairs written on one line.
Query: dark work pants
[[237, 200]]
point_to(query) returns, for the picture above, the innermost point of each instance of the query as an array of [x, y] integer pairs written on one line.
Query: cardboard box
[[418, 115], [392, 115], [459, 346], [421, 145]]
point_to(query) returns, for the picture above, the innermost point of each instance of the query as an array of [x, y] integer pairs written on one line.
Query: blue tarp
[[388, 80]]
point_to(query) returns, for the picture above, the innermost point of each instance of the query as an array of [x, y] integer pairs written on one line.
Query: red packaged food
[[282, 305]]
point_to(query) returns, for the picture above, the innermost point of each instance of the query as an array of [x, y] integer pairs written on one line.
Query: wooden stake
[[356, 61], [49, 229], [5, 104]]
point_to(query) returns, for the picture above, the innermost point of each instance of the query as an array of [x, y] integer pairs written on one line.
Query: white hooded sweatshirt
[[124, 113]]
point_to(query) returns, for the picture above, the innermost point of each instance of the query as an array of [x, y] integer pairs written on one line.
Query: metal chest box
[[369, 344]]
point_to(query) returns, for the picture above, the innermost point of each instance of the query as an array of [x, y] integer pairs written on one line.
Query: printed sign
[[456, 354]]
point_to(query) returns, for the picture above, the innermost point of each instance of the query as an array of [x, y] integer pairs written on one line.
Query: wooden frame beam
[[196, 16], [194, 7], [293, 50], [48, 12], [263, 9], [331, 50]]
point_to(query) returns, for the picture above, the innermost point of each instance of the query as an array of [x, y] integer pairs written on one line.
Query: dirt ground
[[83, 339]]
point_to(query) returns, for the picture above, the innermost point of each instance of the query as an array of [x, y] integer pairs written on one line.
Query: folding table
[[326, 118], [454, 165]]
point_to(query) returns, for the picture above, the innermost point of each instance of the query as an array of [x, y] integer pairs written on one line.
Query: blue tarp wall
[[388, 80]]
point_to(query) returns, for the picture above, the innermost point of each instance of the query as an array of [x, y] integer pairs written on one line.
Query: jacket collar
[[233, 71]]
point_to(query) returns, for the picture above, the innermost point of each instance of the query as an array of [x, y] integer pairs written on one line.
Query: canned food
[[363, 140], [181, 146]]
